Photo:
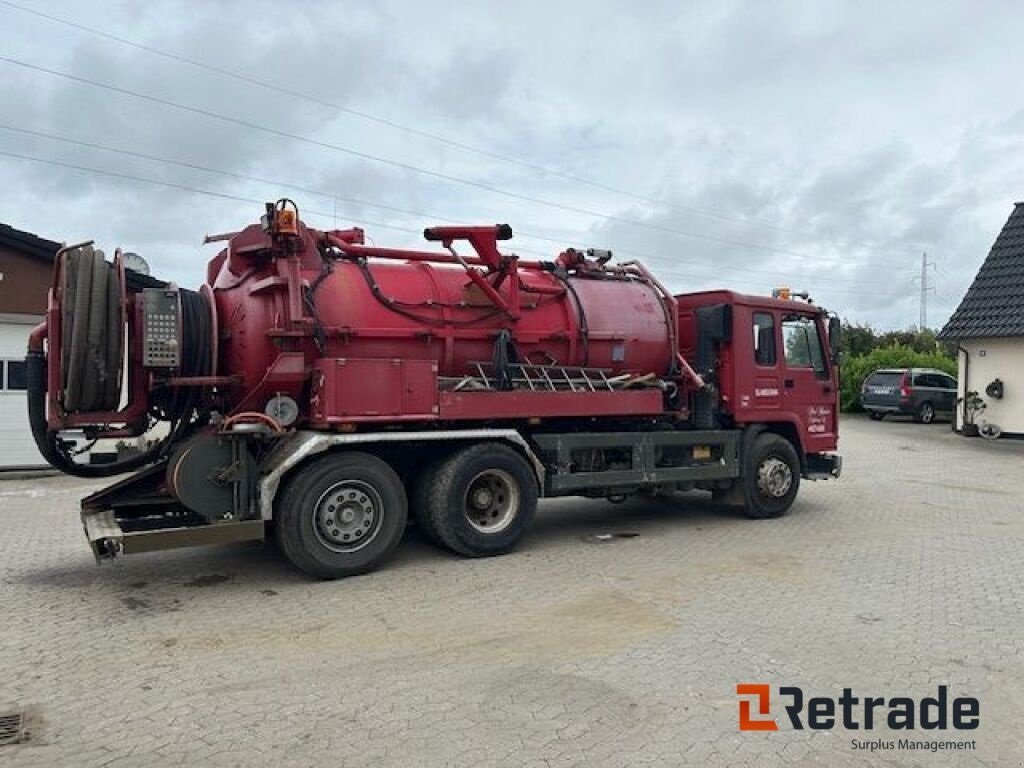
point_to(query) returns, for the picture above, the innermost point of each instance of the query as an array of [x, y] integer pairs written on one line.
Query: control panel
[[161, 338]]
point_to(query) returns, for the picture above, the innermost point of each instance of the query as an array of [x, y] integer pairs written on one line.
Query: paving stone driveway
[[903, 576]]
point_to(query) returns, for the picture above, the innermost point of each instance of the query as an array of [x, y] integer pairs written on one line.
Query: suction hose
[[48, 441], [91, 322]]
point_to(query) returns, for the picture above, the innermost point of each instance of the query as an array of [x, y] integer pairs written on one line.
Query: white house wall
[[17, 448], [989, 359]]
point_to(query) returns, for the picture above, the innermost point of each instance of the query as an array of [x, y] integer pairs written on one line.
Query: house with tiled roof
[[988, 328]]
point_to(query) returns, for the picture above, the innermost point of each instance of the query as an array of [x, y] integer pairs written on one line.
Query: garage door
[[17, 449]]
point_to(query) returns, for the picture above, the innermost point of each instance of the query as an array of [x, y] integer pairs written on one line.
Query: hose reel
[[93, 297], [92, 332]]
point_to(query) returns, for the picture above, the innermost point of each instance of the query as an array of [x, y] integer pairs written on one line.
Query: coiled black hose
[[92, 332], [52, 448], [185, 408]]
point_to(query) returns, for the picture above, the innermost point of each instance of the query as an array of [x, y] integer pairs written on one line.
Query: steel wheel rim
[[774, 477], [347, 516], [492, 501]]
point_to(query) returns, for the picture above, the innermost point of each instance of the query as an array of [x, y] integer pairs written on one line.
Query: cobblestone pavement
[[903, 576]]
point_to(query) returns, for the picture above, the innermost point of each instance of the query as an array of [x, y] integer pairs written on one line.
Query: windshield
[[802, 343]]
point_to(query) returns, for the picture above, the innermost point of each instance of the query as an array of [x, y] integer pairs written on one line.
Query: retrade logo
[[852, 712], [762, 692]]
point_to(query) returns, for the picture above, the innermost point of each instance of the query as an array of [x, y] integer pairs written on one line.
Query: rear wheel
[[418, 502], [482, 499], [343, 514], [926, 413], [771, 477]]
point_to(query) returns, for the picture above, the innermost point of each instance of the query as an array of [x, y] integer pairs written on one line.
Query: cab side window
[[803, 344], [764, 338]]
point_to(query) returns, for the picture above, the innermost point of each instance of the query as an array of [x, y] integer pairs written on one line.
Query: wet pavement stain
[[208, 580]]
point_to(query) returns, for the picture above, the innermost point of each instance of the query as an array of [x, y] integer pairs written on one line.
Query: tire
[[876, 415], [925, 413], [504, 501], [990, 431], [418, 501], [310, 530], [771, 477]]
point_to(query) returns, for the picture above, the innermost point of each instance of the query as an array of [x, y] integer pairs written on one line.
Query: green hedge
[[855, 369]]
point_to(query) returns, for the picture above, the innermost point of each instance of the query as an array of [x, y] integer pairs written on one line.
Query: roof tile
[[994, 304]]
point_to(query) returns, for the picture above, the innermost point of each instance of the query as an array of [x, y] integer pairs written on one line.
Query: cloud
[[833, 143]]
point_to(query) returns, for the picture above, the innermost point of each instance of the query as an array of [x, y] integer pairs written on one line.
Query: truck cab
[[773, 362]]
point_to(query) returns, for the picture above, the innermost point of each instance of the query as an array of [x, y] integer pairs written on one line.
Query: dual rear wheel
[[477, 502], [345, 513]]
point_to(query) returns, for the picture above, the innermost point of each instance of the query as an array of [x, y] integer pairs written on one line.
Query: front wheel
[[341, 515], [482, 500], [771, 477], [876, 415]]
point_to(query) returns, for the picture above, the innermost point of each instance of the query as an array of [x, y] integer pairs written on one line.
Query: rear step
[[108, 539]]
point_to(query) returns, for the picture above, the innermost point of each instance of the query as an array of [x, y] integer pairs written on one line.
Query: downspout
[[967, 388]]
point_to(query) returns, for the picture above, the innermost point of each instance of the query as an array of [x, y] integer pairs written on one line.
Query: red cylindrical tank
[[387, 308]]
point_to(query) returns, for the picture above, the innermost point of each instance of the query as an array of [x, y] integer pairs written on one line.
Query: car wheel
[[876, 415], [341, 515], [771, 477], [926, 413]]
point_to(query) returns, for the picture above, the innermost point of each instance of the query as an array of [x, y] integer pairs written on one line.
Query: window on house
[[16, 380]]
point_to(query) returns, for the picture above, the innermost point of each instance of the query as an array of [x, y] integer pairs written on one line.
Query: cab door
[[767, 394], [808, 383]]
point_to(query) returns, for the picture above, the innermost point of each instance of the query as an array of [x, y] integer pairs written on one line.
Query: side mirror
[[835, 329]]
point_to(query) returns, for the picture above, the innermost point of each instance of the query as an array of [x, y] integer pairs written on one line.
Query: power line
[[274, 87], [239, 198], [185, 187], [405, 166], [357, 201]]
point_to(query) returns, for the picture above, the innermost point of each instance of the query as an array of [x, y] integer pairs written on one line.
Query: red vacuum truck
[[329, 391]]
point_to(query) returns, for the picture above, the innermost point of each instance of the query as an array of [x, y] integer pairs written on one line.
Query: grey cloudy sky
[[822, 145]]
